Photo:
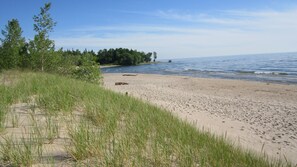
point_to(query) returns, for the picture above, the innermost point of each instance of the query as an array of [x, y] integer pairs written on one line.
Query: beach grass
[[111, 129]]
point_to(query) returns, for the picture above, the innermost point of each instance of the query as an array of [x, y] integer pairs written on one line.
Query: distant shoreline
[[115, 65], [265, 68]]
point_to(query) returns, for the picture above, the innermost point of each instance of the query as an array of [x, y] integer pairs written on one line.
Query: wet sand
[[258, 116]]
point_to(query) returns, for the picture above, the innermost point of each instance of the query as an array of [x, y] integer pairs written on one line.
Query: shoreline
[[254, 115], [108, 66], [115, 65], [201, 77]]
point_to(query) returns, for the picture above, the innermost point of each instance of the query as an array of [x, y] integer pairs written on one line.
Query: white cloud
[[238, 18], [235, 32]]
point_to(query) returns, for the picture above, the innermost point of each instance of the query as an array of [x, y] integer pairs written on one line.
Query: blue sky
[[174, 29]]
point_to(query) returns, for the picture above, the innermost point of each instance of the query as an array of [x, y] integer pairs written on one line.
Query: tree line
[[122, 56], [118, 56], [39, 53]]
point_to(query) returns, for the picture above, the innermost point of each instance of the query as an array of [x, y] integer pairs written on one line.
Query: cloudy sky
[[174, 29]]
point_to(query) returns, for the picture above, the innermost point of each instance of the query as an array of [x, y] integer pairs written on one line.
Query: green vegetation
[[12, 44], [41, 47], [18, 153], [108, 129], [40, 54], [122, 56], [155, 56], [2, 116]]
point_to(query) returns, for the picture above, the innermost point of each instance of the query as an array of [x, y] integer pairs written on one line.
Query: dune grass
[[115, 129]]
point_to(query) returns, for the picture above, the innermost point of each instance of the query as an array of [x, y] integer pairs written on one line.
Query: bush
[[90, 73], [78, 67]]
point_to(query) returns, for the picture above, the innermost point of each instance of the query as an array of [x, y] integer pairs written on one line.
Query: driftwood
[[129, 74], [121, 83]]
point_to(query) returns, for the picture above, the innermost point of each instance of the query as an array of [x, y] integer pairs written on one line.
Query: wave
[[190, 70], [172, 70], [262, 72], [270, 73], [202, 71], [247, 72]]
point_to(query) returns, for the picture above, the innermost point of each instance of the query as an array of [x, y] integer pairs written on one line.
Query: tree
[[1, 58], [25, 61], [147, 57], [155, 56], [122, 56], [126, 59], [12, 44], [42, 47]]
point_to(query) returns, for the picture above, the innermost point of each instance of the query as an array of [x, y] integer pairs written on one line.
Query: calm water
[[280, 68]]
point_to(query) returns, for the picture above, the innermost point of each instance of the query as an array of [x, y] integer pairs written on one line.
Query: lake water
[[278, 67]]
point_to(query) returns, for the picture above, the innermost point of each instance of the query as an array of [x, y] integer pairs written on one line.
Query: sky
[[174, 29]]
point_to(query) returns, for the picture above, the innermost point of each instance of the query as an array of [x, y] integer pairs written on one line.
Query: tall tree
[[155, 56], [42, 47], [147, 57], [12, 43]]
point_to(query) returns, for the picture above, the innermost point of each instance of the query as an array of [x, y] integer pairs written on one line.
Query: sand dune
[[258, 116]]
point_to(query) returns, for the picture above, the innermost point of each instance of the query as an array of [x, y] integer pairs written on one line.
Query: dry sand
[[258, 116], [26, 121]]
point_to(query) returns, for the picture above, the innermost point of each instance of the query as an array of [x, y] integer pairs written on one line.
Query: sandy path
[[252, 114]]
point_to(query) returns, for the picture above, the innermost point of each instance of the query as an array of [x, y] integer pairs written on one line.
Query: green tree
[[12, 43], [147, 57], [1, 58], [155, 56], [122, 56], [41, 48], [25, 61]]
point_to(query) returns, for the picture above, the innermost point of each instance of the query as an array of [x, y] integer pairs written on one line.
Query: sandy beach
[[258, 116]]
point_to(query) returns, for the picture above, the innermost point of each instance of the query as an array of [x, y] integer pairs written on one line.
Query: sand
[[258, 116]]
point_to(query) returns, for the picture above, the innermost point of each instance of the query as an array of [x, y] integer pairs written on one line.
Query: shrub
[[90, 73]]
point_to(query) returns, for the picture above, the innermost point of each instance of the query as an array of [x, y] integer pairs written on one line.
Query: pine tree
[[12, 43]]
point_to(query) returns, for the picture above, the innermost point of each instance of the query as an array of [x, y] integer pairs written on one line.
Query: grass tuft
[[84, 142], [18, 152]]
